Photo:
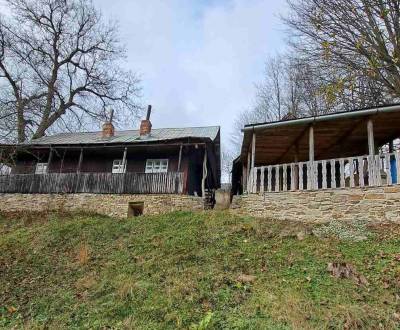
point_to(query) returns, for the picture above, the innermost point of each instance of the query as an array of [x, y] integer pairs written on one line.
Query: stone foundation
[[371, 204], [111, 205]]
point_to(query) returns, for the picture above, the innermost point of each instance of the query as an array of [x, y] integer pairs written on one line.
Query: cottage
[[183, 161], [302, 166]]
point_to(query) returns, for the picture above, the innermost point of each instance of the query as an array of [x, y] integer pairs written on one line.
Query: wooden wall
[[101, 160]]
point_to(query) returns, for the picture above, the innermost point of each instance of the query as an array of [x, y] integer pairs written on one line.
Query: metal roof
[[128, 136]]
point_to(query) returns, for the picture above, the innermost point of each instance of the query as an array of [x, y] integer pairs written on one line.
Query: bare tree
[[359, 40], [60, 67]]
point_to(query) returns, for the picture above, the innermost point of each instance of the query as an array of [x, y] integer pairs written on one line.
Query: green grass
[[181, 271]]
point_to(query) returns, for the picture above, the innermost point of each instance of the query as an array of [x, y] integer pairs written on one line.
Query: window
[[156, 166], [41, 168], [118, 166]]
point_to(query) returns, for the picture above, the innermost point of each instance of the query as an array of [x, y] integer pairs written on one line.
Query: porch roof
[[336, 135]]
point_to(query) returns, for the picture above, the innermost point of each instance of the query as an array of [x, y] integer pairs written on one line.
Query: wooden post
[[371, 142], [254, 174], [371, 151], [253, 150], [62, 161], [244, 177], [248, 171], [124, 159], [78, 170], [49, 159], [311, 171], [203, 181], [180, 158]]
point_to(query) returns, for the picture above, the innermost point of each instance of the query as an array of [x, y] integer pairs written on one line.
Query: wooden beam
[[311, 143], [49, 160], [62, 160], [78, 170], [253, 150], [124, 158], [294, 142], [371, 142], [203, 180], [180, 158], [341, 139]]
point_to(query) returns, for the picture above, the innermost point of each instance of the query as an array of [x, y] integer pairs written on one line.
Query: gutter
[[316, 119]]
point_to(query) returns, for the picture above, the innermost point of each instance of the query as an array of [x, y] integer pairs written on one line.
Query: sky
[[198, 59]]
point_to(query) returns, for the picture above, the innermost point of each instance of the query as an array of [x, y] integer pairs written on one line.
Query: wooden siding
[[99, 183]]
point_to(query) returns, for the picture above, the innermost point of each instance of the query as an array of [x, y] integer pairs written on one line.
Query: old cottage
[[179, 161]]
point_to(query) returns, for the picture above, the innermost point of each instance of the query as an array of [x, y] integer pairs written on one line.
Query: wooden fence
[[362, 171], [98, 183]]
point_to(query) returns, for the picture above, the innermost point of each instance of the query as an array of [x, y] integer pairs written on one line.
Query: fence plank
[[361, 172], [342, 178], [388, 170], [277, 179], [262, 179], [301, 177], [333, 173], [324, 175], [292, 177], [378, 170], [351, 170], [285, 169], [269, 178]]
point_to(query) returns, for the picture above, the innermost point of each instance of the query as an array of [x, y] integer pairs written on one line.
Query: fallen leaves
[[344, 270]]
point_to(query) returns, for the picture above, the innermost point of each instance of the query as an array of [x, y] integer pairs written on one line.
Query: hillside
[[183, 270]]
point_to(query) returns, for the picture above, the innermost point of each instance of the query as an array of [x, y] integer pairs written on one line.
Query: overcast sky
[[198, 59]]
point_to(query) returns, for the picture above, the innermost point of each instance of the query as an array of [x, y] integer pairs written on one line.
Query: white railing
[[352, 172]]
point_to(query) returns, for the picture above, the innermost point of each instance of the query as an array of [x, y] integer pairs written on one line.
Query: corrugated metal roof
[[129, 136]]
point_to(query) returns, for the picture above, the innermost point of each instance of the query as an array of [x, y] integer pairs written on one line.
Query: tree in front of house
[[60, 68]]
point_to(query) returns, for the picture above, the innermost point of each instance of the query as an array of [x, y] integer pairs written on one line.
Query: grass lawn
[[206, 270]]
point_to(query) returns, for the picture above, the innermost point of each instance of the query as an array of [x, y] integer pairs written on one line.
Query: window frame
[[119, 168], [41, 168], [162, 168]]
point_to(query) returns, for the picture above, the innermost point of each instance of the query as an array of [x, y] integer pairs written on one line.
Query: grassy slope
[[171, 271]]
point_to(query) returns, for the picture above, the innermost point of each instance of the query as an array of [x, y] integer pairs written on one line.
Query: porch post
[[49, 159], [253, 177], [244, 176], [203, 181], [311, 171], [311, 144], [124, 159], [180, 158], [78, 170], [248, 169], [372, 170], [371, 141]]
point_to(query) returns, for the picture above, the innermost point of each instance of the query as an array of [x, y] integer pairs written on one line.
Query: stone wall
[[371, 204], [111, 205]]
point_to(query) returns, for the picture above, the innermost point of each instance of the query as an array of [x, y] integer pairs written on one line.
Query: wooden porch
[[354, 149], [97, 183], [351, 172]]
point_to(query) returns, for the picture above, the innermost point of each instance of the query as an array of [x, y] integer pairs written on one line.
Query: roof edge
[[326, 117]]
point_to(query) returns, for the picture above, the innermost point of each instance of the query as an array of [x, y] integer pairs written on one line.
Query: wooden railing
[[352, 172], [98, 183]]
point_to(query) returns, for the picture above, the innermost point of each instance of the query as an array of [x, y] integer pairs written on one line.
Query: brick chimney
[[108, 127], [145, 125]]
